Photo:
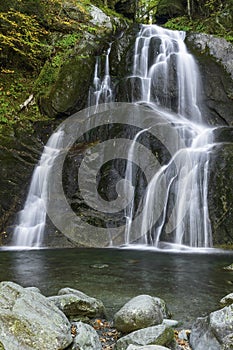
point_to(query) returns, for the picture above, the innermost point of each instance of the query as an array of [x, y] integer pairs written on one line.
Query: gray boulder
[[214, 332], [29, 321], [218, 48], [140, 312], [99, 18], [33, 289], [156, 335], [86, 338], [75, 303], [146, 347]]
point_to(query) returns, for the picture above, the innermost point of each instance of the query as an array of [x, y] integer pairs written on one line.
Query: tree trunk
[[189, 8]]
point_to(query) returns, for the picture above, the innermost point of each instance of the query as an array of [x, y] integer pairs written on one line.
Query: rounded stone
[[140, 312]]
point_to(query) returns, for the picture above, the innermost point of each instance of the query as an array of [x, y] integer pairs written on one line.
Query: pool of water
[[191, 283]]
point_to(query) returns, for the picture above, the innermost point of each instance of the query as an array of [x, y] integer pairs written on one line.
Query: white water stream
[[101, 92], [32, 219]]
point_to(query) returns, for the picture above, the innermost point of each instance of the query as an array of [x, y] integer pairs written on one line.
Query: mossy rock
[[70, 89]]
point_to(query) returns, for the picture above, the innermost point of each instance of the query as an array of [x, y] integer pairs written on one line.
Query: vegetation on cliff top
[[40, 33]]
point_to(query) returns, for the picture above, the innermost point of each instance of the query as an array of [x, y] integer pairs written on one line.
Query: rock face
[[220, 193], [213, 332], [71, 72], [75, 303], [215, 59], [140, 312], [156, 335], [29, 321]]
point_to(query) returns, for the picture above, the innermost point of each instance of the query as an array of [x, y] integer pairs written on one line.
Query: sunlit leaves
[[21, 34]]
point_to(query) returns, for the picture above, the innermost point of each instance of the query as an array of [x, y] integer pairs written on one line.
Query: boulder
[[227, 300], [86, 338], [99, 18], [214, 332], [77, 304], [33, 289], [140, 312], [219, 48], [156, 335], [29, 321]]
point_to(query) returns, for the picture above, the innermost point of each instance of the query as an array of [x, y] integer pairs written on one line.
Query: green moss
[[15, 87]]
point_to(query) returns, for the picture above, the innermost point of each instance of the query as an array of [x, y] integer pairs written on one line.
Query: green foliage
[[68, 41], [21, 35], [15, 87], [210, 16]]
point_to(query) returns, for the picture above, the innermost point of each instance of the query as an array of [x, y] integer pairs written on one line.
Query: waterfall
[[101, 91], [168, 77], [129, 176], [164, 78], [167, 72], [32, 219]]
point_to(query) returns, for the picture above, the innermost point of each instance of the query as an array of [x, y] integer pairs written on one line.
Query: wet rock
[[156, 335], [229, 267], [86, 338], [77, 304], [227, 300], [140, 312], [215, 59], [220, 196], [29, 321], [213, 332], [218, 48]]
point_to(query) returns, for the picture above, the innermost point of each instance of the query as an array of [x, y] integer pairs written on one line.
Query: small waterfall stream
[[32, 219], [101, 92], [168, 79]]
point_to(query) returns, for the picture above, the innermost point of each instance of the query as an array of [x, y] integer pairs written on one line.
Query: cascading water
[[32, 219], [101, 92], [168, 77], [129, 176]]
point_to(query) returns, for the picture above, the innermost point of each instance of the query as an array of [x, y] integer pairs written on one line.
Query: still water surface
[[191, 283]]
